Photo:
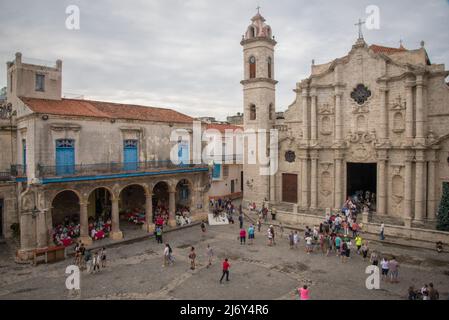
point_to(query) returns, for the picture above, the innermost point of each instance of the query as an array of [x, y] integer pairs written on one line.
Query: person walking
[[393, 266], [241, 220], [192, 257], [251, 232], [103, 257], [88, 260], [82, 250], [226, 267], [337, 244], [281, 230], [303, 293], [374, 259], [273, 234], [358, 243], [96, 262], [296, 239], [259, 224], [382, 230], [210, 255], [158, 234], [365, 250], [242, 236], [433, 293], [166, 255], [270, 237], [203, 228], [290, 240], [385, 268]]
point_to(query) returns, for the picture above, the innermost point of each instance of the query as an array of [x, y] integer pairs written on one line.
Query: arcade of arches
[[98, 212]]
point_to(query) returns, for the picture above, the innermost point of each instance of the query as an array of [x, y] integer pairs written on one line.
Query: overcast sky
[[186, 55]]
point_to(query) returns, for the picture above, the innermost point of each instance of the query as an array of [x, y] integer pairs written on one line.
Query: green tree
[[443, 210]]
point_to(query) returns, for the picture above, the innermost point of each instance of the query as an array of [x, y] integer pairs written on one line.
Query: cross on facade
[[258, 7], [360, 24]]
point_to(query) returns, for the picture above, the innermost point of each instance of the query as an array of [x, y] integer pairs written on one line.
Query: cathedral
[[375, 120]]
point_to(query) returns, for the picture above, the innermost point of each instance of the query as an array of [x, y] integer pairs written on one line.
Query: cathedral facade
[[374, 120]]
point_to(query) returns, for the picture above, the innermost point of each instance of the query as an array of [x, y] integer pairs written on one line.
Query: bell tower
[[259, 88]]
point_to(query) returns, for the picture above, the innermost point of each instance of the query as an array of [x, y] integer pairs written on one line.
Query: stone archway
[[184, 193], [132, 205], [65, 217]]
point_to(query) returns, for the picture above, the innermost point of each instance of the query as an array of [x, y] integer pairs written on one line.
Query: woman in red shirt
[[226, 267], [242, 236]]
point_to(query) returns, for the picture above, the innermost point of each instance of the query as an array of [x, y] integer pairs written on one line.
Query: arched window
[[252, 67], [269, 67], [252, 32], [270, 111], [252, 112]]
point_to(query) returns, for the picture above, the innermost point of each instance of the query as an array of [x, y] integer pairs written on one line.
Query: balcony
[[5, 176], [105, 170]]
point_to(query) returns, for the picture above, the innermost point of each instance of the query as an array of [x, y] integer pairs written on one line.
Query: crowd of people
[[222, 208], [89, 260], [65, 234], [183, 216]]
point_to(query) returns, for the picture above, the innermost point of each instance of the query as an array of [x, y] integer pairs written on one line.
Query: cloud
[[185, 54]]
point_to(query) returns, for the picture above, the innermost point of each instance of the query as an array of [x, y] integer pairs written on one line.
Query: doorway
[[290, 187], [361, 177]]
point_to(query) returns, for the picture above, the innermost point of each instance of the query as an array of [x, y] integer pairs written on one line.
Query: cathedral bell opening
[[361, 181]]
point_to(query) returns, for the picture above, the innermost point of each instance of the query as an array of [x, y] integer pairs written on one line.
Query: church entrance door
[[361, 177], [290, 187]]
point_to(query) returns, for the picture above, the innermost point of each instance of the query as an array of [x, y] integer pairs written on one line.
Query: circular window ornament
[[360, 94], [290, 156]]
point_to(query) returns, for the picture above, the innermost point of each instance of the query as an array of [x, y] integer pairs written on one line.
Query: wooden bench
[[51, 254]]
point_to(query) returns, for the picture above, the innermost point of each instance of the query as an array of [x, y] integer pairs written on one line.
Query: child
[[304, 293]]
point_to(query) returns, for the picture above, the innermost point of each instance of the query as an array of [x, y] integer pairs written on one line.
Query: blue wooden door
[[65, 157], [130, 154], [183, 153], [216, 171]]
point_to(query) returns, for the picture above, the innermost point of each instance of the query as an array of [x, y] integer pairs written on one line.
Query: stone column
[[431, 201], [409, 111], [172, 208], [42, 231], [338, 197], [383, 125], [381, 207], [305, 115], [313, 119], [148, 225], [420, 134], [116, 234], [338, 117], [84, 225], [304, 183], [273, 188], [314, 180], [408, 189], [419, 186]]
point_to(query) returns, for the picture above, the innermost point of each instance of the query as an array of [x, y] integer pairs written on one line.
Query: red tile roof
[[387, 50], [222, 127], [100, 109]]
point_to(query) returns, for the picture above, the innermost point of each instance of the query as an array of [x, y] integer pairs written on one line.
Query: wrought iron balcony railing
[[110, 168]]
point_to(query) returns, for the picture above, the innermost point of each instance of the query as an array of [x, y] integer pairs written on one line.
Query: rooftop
[[102, 109]]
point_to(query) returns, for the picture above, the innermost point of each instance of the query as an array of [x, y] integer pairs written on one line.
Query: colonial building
[[82, 159], [227, 168], [376, 119]]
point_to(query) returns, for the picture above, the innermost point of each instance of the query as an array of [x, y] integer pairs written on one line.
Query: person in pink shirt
[[242, 236], [303, 293]]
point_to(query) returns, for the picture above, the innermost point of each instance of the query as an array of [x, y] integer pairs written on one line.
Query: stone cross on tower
[[360, 24], [258, 8]]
